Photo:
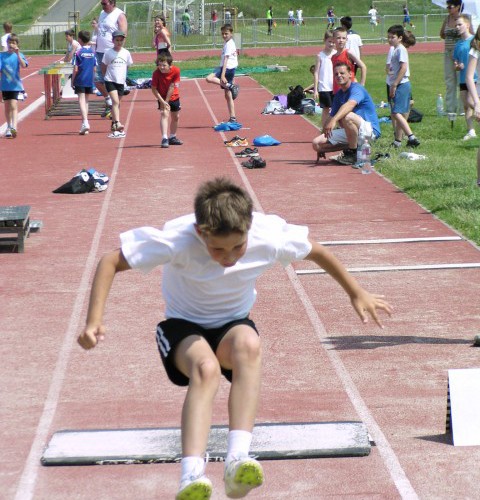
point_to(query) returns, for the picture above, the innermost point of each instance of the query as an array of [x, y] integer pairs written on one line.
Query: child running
[[114, 68], [212, 259], [225, 73], [11, 83], [323, 77], [83, 77], [165, 83], [400, 89]]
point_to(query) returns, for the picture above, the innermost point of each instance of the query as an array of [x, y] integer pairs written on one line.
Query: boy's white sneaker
[[199, 488], [241, 476], [84, 130], [471, 134]]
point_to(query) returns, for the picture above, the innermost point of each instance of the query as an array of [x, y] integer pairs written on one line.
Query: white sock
[[192, 467], [172, 136], [238, 445], [165, 136]]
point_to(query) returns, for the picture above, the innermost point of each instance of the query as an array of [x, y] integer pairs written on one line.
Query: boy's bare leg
[[402, 124], [240, 351], [11, 112], [164, 116], [230, 104], [196, 360], [83, 104], [174, 122], [115, 105]]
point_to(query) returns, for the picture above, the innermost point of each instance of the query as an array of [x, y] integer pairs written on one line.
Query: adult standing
[[186, 23], [449, 33], [353, 111], [111, 19], [269, 20]]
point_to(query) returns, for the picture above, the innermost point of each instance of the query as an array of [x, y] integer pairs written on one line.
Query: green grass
[[444, 183]]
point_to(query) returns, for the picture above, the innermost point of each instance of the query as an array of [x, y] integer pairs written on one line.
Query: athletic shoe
[[348, 157], [8, 134], [117, 135], [256, 162], [236, 141], [241, 476], [84, 130], [234, 89], [107, 112], [471, 134], [247, 153], [174, 141], [14, 132], [413, 143], [396, 144], [199, 488], [165, 143]]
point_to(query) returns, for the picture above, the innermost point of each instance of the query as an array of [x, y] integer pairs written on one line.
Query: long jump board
[[272, 441]]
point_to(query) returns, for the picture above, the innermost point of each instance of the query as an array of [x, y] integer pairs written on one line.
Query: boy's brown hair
[[222, 208], [7, 27], [84, 36], [164, 57], [14, 38], [227, 27]]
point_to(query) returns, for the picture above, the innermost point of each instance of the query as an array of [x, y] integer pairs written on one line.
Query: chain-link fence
[[252, 32]]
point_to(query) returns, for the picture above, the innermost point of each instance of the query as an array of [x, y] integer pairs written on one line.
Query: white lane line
[[387, 453], [25, 112], [26, 486], [383, 241], [372, 269]]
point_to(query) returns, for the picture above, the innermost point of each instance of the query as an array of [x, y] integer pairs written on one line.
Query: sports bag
[[295, 96]]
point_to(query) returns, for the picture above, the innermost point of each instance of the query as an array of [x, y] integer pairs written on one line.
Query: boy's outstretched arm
[[362, 301], [110, 264]]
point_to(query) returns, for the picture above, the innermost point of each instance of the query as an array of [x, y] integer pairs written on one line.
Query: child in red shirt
[[165, 83]]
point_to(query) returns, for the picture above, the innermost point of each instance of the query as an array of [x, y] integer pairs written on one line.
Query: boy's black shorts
[[82, 90], [10, 95], [175, 106], [119, 87], [325, 98], [171, 332]]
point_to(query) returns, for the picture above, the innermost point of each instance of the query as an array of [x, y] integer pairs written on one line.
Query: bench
[[15, 226]]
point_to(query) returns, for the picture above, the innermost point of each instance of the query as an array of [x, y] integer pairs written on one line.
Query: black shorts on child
[[119, 87], [10, 95], [325, 98], [171, 332]]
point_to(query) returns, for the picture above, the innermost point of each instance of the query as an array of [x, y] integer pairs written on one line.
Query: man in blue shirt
[[353, 111]]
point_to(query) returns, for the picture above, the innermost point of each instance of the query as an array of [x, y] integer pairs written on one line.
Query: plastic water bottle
[[365, 154], [360, 141], [440, 110]]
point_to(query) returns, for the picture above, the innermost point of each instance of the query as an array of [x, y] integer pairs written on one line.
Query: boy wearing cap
[[114, 68]]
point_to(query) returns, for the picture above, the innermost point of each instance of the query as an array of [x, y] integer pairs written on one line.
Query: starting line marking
[[422, 267], [392, 240], [271, 441]]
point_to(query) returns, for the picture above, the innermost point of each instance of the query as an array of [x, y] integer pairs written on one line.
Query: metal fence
[[249, 33]]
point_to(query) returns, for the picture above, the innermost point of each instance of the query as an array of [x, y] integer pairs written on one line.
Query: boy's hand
[[365, 302], [90, 337]]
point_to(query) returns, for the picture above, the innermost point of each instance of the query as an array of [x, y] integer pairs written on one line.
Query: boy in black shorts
[[165, 88], [83, 75], [114, 68]]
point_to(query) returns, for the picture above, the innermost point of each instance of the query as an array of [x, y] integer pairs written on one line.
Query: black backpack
[[295, 96]]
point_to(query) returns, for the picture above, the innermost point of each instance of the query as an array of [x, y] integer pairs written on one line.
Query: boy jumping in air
[[225, 73], [212, 259]]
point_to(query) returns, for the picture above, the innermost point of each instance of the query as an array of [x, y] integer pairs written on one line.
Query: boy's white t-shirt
[[325, 72], [476, 54], [398, 56], [117, 64], [197, 288], [230, 50]]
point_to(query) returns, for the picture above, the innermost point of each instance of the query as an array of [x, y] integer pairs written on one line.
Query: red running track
[[320, 362]]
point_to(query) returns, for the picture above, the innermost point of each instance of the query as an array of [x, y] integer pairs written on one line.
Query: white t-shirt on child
[[230, 50], [197, 288]]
